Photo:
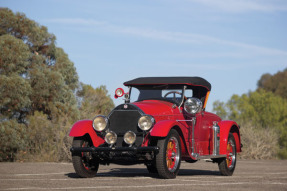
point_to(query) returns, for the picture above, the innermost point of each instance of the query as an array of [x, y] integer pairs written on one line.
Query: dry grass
[[258, 143]]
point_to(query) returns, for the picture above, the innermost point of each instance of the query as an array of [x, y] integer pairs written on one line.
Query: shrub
[[258, 142]]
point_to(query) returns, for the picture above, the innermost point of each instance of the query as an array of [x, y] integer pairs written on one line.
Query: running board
[[210, 156]]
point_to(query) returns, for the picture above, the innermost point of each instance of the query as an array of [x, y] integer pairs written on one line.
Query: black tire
[[84, 164], [227, 165], [169, 157]]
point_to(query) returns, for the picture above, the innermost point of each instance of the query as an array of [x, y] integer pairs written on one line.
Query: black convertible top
[[191, 81]]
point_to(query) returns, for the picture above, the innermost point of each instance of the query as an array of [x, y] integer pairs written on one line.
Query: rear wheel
[[227, 165], [84, 164], [169, 157]]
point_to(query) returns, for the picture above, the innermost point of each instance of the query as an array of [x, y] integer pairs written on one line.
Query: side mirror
[[193, 105]]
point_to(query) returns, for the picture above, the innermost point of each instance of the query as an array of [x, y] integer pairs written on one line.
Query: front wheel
[[227, 165], [169, 157], [84, 164]]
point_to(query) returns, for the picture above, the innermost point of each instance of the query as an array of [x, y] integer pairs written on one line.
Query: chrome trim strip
[[193, 153]]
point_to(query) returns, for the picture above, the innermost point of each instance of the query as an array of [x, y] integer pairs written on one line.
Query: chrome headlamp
[[193, 105], [111, 137], [100, 123], [119, 92], [130, 137], [146, 122]]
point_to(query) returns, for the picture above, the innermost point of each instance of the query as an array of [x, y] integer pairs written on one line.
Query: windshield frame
[[171, 87]]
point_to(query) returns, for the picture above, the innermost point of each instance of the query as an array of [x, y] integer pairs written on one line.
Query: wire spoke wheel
[[227, 165], [172, 154], [230, 155], [169, 157], [85, 165]]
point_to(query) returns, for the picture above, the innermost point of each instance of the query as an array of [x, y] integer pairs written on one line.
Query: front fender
[[227, 127], [162, 128], [83, 127]]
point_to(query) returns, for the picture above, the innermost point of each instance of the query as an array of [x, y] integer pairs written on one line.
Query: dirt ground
[[249, 175]]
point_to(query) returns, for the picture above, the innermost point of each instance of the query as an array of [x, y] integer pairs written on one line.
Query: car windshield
[[170, 93]]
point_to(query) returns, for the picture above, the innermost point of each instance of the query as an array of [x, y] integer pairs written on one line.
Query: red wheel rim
[[85, 157], [172, 154], [230, 155]]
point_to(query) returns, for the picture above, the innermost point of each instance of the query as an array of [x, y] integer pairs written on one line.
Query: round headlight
[[100, 123], [193, 105], [130, 137], [146, 122], [111, 137]]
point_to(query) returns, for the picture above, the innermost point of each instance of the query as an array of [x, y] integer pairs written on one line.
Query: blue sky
[[231, 43]]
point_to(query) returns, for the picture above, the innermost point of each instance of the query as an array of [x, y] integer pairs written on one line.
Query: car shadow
[[141, 172], [196, 172]]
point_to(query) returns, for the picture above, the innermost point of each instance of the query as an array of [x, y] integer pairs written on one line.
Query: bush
[[258, 142], [12, 139], [47, 141]]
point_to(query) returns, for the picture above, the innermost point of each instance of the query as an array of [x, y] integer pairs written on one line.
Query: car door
[[201, 133]]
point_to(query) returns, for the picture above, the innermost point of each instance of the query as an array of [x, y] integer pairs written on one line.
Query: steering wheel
[[173, 92]]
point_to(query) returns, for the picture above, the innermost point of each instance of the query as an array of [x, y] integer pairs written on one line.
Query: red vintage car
[[162, 122]]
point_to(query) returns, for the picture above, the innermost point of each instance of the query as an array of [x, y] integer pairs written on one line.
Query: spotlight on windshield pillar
[[119, 93]]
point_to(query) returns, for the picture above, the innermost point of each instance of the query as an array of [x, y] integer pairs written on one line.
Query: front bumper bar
[[114, 149]]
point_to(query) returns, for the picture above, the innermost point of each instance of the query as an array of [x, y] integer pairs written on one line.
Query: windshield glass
[[170, 93]]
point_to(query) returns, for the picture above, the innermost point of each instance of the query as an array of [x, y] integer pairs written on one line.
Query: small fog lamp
[[111, 137], [130, 137]]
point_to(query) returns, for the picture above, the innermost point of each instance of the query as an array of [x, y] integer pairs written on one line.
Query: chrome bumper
[[114, 149]]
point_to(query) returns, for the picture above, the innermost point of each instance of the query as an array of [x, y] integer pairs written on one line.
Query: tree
[[262, 110], [38, 92], [44, 72], [31, 33], [220, 109], [94, 101], [276, 83]]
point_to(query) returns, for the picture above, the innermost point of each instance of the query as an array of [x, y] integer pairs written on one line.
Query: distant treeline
[[262, 115], [40, 93]]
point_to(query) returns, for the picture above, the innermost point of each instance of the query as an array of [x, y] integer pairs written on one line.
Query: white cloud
[[245, 5], [76, 21], [177, 37]]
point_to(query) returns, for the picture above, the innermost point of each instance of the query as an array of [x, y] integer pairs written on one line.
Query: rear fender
[[227, 127], [83, 127]]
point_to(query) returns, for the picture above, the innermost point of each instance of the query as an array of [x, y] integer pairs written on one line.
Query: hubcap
[[172, 154]]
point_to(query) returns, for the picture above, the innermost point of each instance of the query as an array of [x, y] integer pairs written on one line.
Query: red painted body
[[85, 127], [227, 127], [167, 117], [167, 124]]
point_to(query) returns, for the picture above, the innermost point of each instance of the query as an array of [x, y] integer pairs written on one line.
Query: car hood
[[155, 107]]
